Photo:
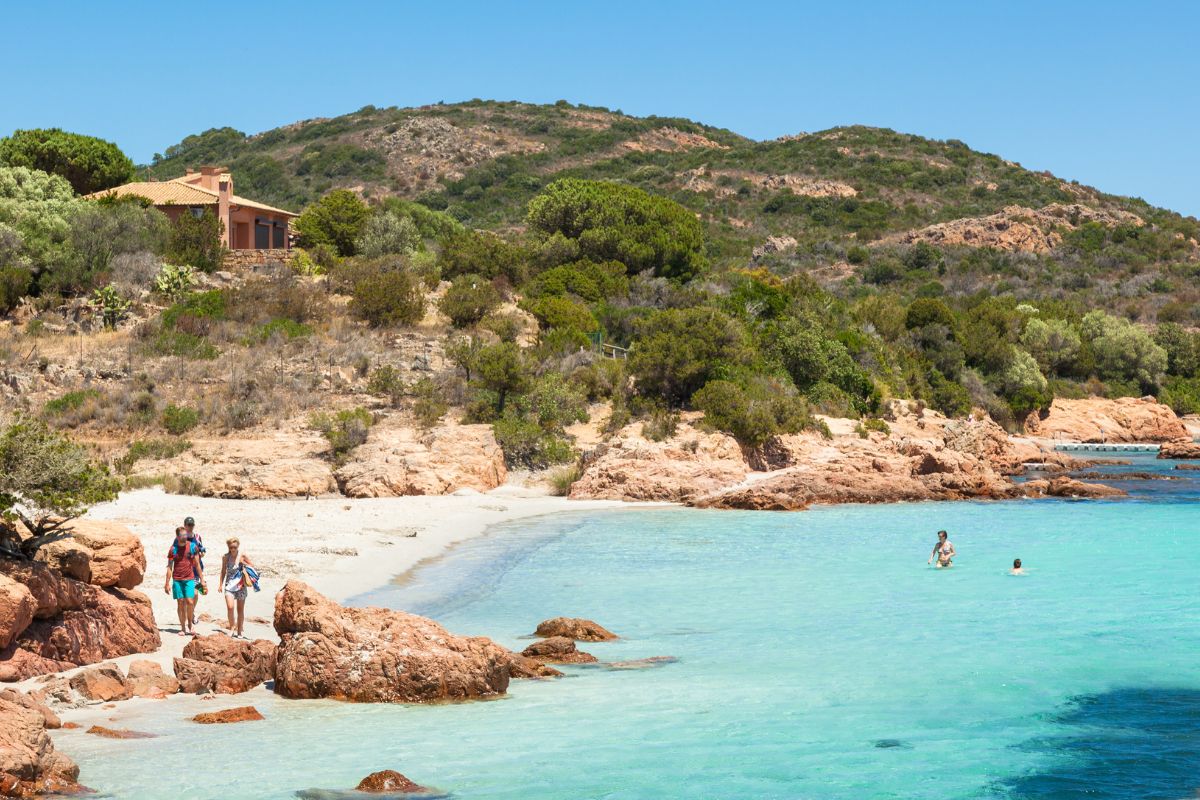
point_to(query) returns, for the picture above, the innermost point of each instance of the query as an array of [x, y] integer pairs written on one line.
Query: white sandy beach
[[341, 547]]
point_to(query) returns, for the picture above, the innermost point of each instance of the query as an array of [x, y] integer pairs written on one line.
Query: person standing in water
[[1016, 570], [943, 551], [233, 564]]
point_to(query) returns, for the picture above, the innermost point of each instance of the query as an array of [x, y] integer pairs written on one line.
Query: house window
[[278, 231], [262, 234], [197, 211]]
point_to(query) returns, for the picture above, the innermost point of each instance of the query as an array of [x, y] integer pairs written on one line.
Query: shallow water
[[818, 658]]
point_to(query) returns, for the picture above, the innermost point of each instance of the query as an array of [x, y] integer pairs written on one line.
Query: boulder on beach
[[29, 764], [229, 715], [96, 552], [1181, 450], [397, 461], [147, 679], [581, 630], [104, 683], [224, 665], [377, 655], [558, 650], [17, 605]]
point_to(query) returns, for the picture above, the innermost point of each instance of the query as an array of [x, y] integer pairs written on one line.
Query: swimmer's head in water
[[1016, 563], [942, 534]]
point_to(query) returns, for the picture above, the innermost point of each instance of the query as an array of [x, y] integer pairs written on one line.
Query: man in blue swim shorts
[[184, 572]]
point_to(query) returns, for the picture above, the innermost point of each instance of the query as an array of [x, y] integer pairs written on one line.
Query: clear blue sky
[[1103, 92]]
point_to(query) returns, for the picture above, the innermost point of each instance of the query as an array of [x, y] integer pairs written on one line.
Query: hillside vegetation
[[464, 261]]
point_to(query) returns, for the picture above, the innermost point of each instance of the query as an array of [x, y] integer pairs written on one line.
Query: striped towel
[[249, 576]]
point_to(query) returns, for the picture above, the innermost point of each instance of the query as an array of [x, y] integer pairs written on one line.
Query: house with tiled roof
[[248, 225]]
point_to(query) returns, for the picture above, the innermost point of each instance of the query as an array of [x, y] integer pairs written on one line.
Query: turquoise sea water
[[818, 658]]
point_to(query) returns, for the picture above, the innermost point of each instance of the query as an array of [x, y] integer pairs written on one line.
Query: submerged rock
[[378, 655], [522, 666], [581, 630], [229, 715], [642, 663], [1063, 486], [892, 744], [389, 781], [119, 733]]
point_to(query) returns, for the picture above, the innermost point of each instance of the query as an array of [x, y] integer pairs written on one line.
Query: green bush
[[182, 345], [679, 350], [196, 241], [469, 299], [336, 220], [344, 430], [660, 425], [562, 313], [173, 282], [196, 311], [754, 414], [15, 283], [386, 382], [388, 296], [71, 401], [178, 420], [284, 327], [428, 404], [586, 280], [527, 445], [387, 233], [110, 306], [466, 252]]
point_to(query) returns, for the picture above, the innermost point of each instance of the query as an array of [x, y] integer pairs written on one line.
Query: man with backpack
[[184, 572], [189, 525]]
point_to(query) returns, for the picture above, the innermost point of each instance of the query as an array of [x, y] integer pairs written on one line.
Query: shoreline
[[341, 547]]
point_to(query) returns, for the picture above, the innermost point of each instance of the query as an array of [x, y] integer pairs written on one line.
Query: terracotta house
[[249, 225]]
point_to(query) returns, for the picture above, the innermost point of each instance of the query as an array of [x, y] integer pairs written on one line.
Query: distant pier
[[1098, 447]]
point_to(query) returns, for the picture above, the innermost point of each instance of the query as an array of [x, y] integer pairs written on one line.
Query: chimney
[[224, 193]]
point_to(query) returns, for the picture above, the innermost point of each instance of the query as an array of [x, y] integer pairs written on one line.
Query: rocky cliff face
[[29, 764], [74, 604], [397, 461]]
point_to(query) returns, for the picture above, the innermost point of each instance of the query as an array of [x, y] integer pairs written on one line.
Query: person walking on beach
[[189, 524], [234, 581], [943, 551], [184, 571]]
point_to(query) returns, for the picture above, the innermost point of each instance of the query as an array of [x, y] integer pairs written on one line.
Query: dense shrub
[[196, 241], [679, 350], [344, 430], [561, 313], [465, 252], [387, 233], [586, 280], [615, 222], [1122, 351], [753, 414], [385, 292], [469, 299], [336, 220], [178, 420]]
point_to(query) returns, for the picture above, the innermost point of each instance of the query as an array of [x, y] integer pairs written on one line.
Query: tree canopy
[[89, 164], [604, 221]]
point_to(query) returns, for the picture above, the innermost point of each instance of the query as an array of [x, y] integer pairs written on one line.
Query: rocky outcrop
[[229, 715], [389, 781], [1098, 419], [17, 605], [581, 630], [96, 552], [1016, 228], [52, 592], [398, 461], [558, 650], [104, 683], [224, 665], [29, 764], [1180, 450], [147, 679], [285, 463], [1063, 486], [109, 623], [689, 464], [377, 655]]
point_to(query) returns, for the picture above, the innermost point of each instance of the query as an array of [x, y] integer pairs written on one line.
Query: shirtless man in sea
[[943, 551]]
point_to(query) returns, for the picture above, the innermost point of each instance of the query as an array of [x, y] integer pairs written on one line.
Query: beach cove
[[817, 657]]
